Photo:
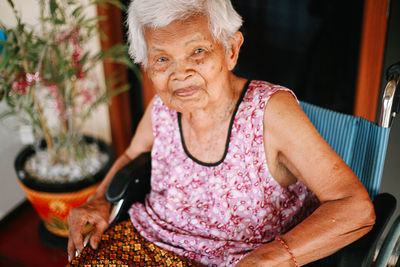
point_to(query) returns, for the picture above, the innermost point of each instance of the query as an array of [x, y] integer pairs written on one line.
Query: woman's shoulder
[[262, 91]]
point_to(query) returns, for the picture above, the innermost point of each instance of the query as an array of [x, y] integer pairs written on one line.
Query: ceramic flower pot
[[53, 201]]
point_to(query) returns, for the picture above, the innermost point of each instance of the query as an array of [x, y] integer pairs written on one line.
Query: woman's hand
[[94, 212], [271, 254], [252, 259]]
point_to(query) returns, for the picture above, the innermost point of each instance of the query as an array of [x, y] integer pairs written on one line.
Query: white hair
[[223, 20]]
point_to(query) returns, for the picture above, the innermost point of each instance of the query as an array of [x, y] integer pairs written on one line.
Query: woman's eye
[[198, 50], [162, 59]]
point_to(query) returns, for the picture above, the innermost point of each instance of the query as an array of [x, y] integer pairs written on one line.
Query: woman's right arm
[[96, 209]]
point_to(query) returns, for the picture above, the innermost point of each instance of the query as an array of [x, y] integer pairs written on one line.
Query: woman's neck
[[203, 121]]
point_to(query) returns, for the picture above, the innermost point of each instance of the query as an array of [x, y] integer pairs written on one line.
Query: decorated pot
[[53, 201]]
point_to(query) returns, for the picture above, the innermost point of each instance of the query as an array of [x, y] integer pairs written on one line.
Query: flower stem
[[46, 132], [47, 137]]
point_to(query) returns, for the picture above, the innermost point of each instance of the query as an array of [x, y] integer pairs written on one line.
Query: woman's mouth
[[186, 91]]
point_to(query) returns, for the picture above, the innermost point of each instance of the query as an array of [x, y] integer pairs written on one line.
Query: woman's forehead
[[185, 31]]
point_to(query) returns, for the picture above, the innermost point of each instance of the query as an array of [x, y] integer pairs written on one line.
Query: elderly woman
[[239, 174]]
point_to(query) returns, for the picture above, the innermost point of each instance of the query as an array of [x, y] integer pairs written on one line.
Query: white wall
[[10, 193], [98, 125]]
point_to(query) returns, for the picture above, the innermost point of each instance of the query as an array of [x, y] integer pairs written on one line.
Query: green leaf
[[84, 58], [53, 7], [4, 59], [91, 20], [6, 114], [5, 43], [118, 90], [11, 3], [77, 11]]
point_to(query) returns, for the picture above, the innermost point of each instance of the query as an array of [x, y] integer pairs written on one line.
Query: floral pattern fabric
[[214, 214]]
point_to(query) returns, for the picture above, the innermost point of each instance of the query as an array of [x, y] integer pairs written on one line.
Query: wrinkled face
[[188, 69]]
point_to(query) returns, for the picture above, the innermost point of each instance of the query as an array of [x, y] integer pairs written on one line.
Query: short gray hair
[[223, 20]]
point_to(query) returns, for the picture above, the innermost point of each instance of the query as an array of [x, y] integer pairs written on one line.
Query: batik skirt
[[121, 245]]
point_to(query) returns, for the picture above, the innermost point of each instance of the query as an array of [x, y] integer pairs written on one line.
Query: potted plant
[[47, 83]]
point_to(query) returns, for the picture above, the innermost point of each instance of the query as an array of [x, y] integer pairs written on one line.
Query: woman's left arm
[[346, 212]]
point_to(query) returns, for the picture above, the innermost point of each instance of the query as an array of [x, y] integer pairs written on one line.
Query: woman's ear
[[232, 53]]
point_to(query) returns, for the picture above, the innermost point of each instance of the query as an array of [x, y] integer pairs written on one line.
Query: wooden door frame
[[372, 47], [119, 110]]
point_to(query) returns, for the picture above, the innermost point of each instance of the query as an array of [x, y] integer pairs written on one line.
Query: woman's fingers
[[95, 212], [76, 223], [99, 228], [72, 249]]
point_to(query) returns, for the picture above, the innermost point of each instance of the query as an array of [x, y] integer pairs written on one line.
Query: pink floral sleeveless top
[[214, 214]]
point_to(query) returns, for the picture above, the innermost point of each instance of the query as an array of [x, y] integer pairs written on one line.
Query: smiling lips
[[186, 91]]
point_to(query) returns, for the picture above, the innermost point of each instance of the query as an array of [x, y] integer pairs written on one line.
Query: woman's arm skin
[[96, 210], [295, 149]]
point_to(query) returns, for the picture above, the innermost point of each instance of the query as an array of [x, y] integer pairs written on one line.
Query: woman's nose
[[182, 70]]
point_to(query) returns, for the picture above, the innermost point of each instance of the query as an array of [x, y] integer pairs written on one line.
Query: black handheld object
[[130, 184]]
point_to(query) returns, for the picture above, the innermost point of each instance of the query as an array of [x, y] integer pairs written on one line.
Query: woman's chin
[[187, 104]]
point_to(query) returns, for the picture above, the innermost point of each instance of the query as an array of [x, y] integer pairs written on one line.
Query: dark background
[[309, 46]]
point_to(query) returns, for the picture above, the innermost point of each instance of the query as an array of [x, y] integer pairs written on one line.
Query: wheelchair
[[362, 145]]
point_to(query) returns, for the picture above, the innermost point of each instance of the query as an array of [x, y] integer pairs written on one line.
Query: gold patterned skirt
[[121, 245]]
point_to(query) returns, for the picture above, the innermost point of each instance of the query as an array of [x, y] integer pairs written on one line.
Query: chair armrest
[[129, 185], [362, 251], [391, 96], [389, 244]]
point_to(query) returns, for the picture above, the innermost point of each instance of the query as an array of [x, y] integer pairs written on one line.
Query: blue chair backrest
[[361, 143]]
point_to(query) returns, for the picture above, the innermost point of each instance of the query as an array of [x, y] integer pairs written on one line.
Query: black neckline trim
[[213, 164]]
